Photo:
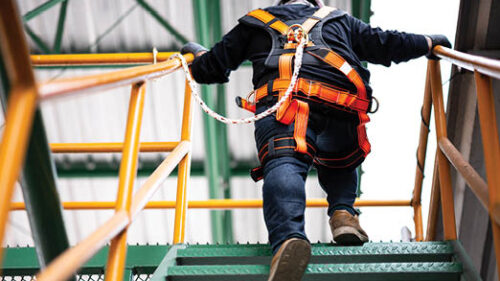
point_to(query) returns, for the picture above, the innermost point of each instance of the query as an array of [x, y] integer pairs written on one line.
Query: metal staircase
[[373, 261]]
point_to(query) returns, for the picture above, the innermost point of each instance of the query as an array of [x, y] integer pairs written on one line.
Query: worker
[[322, 123]]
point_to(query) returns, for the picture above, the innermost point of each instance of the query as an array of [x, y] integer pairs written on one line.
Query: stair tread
[[321, 249], [321, 269]]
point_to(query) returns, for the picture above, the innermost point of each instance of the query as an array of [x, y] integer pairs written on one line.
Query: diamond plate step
[[322, 253], [442, 271]]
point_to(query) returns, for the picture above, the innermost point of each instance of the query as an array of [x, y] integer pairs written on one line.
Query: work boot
[[290, 262], [346, 229]]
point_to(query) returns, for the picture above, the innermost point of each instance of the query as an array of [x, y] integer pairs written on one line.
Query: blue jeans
[[284, 178]]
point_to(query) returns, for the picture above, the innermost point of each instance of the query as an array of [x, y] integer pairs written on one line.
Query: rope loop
[[195, 91]]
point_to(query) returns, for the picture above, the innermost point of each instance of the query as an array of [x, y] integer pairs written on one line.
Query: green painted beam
[[81, 169], [40, 9], [361, 9], [223, 144], [37, 40], [143, 259], [38, 183], [433, 271], [60, 27], [202, 26], [162, 21]]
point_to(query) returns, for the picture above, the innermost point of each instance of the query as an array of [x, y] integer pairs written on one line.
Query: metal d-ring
[[376, 108], [297, 30]]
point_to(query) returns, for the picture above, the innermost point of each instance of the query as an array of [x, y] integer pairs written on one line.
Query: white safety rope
[[194, 89]]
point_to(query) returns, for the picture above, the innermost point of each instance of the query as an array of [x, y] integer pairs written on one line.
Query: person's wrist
[[429, 42]]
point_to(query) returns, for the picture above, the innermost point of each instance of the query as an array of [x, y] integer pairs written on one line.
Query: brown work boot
[[346, 229], [290, 262]]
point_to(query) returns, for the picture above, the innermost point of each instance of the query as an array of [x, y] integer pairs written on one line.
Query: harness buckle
[[251, 97], [295, 34]]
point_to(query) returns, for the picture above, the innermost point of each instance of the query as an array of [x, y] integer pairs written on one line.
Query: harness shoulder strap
[[317, 17], [269, 20]]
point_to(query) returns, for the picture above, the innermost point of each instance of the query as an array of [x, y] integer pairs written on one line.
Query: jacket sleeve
[[215, 65], [383, 47]]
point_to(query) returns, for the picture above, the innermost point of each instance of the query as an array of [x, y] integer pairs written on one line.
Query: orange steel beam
[[447, 203], [184, 171], [128, 170], [72, 259], [217, 204], [434, 203], [421, 152], [109, 80], [20, 108], [98, 59], [482, 65], [491, 148], [473, 179], [107, 147]]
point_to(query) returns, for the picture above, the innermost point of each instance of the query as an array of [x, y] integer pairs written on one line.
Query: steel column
[[210, 127], [491, 148], [447, 203], [128, 170], [60, 27], [225, 157]]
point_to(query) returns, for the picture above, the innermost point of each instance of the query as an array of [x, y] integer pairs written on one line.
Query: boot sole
[[293, 262], [349, 236]]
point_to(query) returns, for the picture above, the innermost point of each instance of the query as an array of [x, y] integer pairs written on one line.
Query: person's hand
[[436, 40], [193, 48]]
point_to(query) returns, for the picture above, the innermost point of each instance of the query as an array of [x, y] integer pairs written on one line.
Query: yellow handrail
[[216, 204], [105, 81], [128, 170], [98, 59], [72, 259], [107, 147]]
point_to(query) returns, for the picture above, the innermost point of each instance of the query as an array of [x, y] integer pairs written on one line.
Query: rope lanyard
[[194, 89]]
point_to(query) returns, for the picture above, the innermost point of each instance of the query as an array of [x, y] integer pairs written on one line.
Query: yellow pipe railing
[[216, 204], [20, 108], [98, 59], [23, 99], [106, 147], [128, 170]]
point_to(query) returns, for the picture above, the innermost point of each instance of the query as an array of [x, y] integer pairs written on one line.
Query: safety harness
[[285, 38]]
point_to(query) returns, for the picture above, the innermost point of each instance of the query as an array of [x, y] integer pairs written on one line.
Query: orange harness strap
[[317, 90], [267, 18]]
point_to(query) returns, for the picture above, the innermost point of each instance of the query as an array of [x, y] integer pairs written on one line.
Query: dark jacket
[[354, 40]]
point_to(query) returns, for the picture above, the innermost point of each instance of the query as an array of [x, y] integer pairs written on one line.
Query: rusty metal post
[[447, 203], [434, 204], [491, 147], [421, 152]]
